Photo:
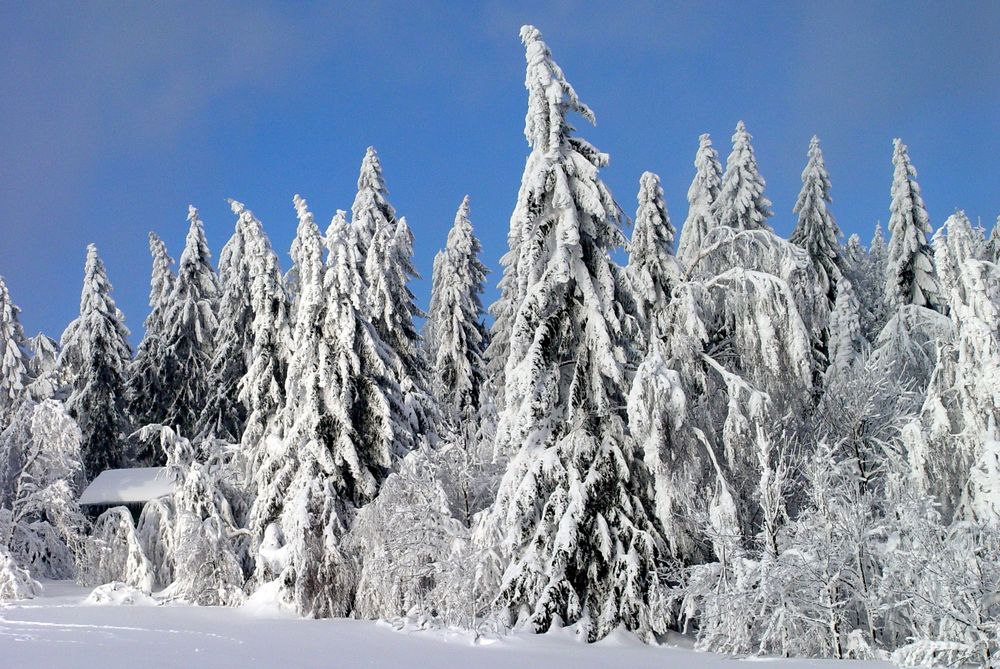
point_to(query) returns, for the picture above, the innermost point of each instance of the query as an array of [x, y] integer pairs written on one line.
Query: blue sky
[[114, 116]]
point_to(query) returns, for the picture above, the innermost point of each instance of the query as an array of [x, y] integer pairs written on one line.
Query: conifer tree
[[652, 267], [741, 203], [13, 356], [391, 307], [191, 323], [910, 277], [454, 336], [273, 462], [340, 423], [861, 268], [96, 354], [262, 387], [572, 517], [223, 415], [371, 210], [817, 232], [147, 389], [251, 341], [701, 196], [43, 369], [993, 244]]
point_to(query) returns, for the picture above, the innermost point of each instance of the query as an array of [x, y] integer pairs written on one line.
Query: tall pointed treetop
[[572, 519], [371, 210], [95, 354], [453, 334], [741, 203], [192, 322], [701, 197], [910, 277], [817, 231], [13, 356], [550, 99], [550, 96], [652, 266], [148, 393]]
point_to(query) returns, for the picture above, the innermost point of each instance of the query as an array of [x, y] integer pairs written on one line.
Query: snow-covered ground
[[59, 630]]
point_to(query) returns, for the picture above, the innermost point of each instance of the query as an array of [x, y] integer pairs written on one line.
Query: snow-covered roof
[[124, 486]]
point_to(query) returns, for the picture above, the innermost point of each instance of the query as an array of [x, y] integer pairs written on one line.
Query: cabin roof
[[125, 486]]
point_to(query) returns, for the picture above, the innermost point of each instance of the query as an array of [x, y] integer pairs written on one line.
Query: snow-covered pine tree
[[993, 244], [191, 323], [14, 357], [342, 422], [371, 210], [274, 460], [223, 415], [910, 276], [147, 388], [701, 196], [847, 343], [262, 388], [816, 231], [96, 354], [740, 203], [953, 446], [573, 518], [652, 268], [453, 335], [43, 369], [391, 307], [861, 267], [454, 339]]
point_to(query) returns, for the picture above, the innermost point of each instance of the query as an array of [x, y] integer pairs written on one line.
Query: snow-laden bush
[[40, 520], [407, 544], [15, 582], [117, 593], [114, 553], [192, 538]]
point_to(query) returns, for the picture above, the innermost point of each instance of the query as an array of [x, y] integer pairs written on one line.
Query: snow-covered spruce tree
[[95, 354], [816, 231], [262, 388], [43, 369], [847, 344], [273, 459], [114, 553], [992, 251], [14, 357], [701, 196], [652, 268], [910, 276], [148, 393], [952, 448], [15, 582], [391, 307], [191, 324], [223, 415], [453, 334], [862, 269], [454, 339], [573, 518], [342, 425], [740, 203], [40, 521], [371, 210]]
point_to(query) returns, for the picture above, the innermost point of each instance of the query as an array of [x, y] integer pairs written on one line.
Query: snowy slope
[[58, 630]]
